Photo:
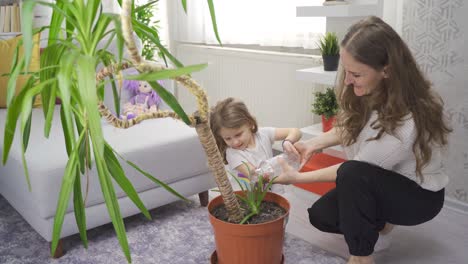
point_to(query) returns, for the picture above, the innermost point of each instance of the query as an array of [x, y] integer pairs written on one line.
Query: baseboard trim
[[456, 205]]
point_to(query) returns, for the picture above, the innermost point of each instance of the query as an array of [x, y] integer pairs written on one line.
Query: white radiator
[[265, 81]]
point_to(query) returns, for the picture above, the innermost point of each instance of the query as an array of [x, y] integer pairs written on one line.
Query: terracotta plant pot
[[327, 124], [249, 244]]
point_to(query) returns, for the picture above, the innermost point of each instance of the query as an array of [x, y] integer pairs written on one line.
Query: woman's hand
[[289, 174], [289, 148], [306, 150]]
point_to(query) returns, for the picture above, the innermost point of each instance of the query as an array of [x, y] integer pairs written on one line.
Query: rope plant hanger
[[199, 119]]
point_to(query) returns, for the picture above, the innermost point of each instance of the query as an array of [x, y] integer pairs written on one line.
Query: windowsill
[[275, 49]]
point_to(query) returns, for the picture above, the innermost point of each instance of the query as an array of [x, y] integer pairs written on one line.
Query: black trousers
[[365, 198]]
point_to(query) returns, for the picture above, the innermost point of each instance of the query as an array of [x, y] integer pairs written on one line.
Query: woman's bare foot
[[361, 260], [387, 229]]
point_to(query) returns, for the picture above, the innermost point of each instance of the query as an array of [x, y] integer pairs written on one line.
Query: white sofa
[[166, 148]]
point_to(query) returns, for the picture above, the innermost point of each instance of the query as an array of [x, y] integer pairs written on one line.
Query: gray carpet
[[180, 233]]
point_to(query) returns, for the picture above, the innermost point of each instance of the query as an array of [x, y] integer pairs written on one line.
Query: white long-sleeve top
[[395, 153]]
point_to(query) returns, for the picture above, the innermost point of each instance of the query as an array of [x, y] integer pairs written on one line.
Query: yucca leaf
[[64, 77], [160, 183], [64, 195], [167, 74], [66, 132], [51, 109], [117, 31], [99, 29], [118, 174], [213, 20], [184, 5], [26, 133], [86, 85], [147, 5], [83, 151], [142, 29], [56, 24], [14, 73], [111, 200], [170, 100], [27, 10], [13, 112], [79, 208]]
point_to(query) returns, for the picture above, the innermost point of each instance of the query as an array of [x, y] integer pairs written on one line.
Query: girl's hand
[[289, 148], [289, 174], [306, 150]]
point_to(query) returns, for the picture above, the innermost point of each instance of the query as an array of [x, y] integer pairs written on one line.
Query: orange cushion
[[319, 161], [7, 51]]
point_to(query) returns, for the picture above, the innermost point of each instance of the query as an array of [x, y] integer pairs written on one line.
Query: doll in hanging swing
[[143, 99]]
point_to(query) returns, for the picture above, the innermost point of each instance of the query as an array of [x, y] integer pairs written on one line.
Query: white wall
[[265, 81], [437, 33]]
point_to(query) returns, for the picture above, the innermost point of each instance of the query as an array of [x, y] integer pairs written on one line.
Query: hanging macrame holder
[[199, 119]]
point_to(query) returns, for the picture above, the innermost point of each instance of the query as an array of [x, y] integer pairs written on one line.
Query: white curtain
[[263, 22]]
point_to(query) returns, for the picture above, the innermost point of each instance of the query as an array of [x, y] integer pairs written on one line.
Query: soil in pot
[[268, 212]]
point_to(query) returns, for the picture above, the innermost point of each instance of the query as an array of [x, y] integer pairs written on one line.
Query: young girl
[[241, 141]]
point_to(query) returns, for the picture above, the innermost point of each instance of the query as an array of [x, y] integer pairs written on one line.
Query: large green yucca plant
[[68, 71]]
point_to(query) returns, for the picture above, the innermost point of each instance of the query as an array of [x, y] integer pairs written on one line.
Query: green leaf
[[147, 5], [14, 73], [171, 101], [325, 103], [65, 86], [184, 5], [27, 13], [328, 44], [167, 74], [143, 30], [13, 112], [152, 178], [116, 171], [213, 20], [79, 208], [64, 195]]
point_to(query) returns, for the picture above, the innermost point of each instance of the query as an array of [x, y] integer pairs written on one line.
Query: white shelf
[[349, 10], [317, 75]]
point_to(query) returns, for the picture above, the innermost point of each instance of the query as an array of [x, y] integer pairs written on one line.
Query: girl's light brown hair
[[230, 113], [406, 91]]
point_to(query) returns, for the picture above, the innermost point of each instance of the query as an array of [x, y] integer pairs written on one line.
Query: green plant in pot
[[68, 71], [330, 50], [325, 105], [259, 237]]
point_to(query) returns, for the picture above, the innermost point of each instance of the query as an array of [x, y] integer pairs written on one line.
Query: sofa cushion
[[166, 148], [7, 52]]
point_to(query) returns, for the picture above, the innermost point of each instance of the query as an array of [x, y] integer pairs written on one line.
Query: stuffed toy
[[143, 99]]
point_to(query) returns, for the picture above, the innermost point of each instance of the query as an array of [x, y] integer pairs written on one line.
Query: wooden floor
[[441, 240]]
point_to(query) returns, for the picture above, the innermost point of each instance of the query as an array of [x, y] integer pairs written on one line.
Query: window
[[252, 22]]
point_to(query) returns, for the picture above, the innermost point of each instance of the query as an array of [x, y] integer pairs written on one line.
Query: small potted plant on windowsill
[[326, 105], [330, 49]]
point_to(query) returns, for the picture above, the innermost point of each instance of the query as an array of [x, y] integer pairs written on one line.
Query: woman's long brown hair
[[406, 91], [230, 113]]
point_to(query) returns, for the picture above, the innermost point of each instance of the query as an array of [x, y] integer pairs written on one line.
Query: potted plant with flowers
[[325, 105], [259, 237]]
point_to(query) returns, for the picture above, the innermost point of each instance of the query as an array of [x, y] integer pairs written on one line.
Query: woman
[[392, 128]]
